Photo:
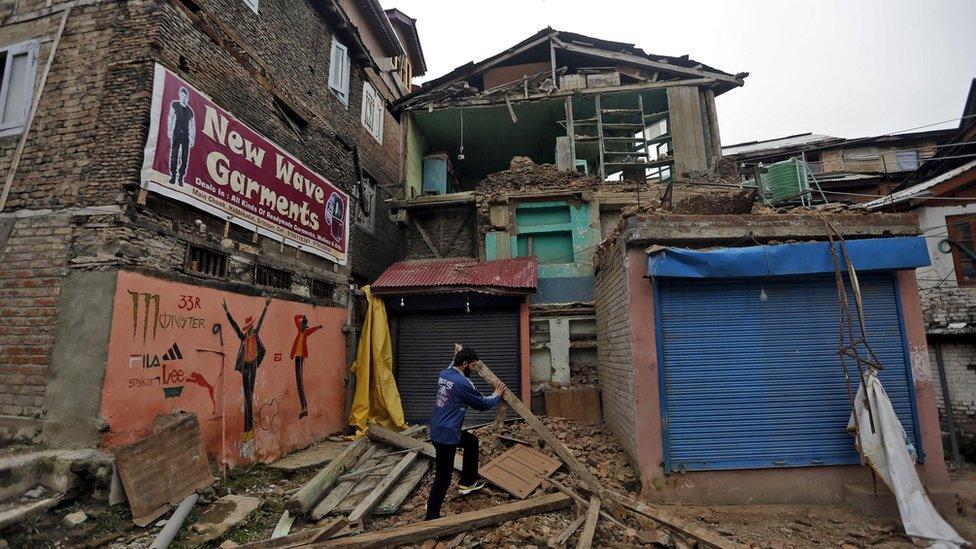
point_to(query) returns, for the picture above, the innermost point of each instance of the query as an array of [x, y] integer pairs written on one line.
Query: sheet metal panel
[[869, 254], [517, 273], [425, 345], [749, 383]]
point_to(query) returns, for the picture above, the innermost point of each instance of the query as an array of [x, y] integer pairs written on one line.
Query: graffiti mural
[[168, 352]]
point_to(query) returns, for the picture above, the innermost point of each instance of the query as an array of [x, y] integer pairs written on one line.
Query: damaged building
[[188, 190], [508, 158], [699, 325]]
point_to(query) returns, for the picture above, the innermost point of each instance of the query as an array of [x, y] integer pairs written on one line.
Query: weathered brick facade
[[615, 362], [73, 204]]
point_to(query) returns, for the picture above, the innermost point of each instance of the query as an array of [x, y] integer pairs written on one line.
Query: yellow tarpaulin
[[376, 399]]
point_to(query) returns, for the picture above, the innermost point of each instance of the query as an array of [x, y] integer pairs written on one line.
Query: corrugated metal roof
[[790, 141], [517, 275], [916, 191]]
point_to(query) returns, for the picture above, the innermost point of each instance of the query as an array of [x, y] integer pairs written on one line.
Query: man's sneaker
[[465, 490]]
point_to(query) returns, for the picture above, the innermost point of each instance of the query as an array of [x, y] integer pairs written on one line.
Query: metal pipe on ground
[[175, 522]]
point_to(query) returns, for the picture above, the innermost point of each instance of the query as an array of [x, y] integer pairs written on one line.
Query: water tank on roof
[[785, 180]]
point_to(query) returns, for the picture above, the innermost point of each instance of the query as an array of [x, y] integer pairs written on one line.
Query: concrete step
[[861, 496], [58, 471]]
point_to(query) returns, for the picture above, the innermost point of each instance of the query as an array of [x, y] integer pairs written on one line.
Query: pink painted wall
[[807, 485], [157, 364]]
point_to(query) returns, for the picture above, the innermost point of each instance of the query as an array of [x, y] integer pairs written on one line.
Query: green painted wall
[[416, 149]]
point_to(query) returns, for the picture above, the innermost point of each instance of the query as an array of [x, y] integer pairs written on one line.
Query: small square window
[[365, 206], [319, 289], [206, 262], [269, 276]]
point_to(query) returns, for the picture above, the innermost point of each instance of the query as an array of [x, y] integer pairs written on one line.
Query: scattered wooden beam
[[579, 499], [307, 496], [366, 506], [400, 440], [453, 524], [284, 525], [299, 539], [705, 537], [563, 537], [561, 450], [589, 527]]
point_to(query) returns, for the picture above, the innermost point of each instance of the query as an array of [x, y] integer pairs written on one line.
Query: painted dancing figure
[[299, 352], [249, 357]]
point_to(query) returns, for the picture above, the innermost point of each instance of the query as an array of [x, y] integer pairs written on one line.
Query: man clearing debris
[[455, 392]]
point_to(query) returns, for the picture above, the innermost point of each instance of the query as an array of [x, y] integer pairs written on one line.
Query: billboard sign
[[202, 155]]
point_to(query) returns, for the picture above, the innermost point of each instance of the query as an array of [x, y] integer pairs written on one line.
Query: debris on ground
[[75, 519], [221, 516]]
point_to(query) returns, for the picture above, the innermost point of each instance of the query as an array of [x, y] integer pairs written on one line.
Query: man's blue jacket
[[455, 392]]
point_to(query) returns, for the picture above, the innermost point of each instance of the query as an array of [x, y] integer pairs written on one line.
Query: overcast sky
[[838, 67]]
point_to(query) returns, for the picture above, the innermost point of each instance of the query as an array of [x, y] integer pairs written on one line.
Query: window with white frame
[[253, 4], [373, 108], [365, 206], [18, 66], [339, 71]]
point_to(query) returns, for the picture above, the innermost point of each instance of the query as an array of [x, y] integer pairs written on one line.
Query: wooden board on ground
[[519, 470], [299, 539], [220, 517], [162, 469], [320, 453], [453, 524], [308, 495], [589, 527], [408, 483], [578, 403]]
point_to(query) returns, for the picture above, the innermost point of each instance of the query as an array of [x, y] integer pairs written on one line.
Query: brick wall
[[85, 150], [615, 363], [959, 361], [949, 304], [33, 260], [452, 230]]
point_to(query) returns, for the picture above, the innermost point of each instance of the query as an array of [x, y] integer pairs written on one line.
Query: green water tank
[[784, 180]]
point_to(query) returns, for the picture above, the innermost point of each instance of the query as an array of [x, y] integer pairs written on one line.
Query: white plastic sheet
[[886, 451]]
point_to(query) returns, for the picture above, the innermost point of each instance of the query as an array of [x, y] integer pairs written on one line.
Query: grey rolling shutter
[[424, 347]]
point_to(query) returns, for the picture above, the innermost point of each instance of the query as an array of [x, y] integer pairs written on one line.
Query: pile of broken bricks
[[376, 473], [364, 488]]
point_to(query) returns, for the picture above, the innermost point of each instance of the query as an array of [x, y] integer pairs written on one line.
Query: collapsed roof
[[560, 51]]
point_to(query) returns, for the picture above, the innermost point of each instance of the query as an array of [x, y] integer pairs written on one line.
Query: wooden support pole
[[373, 499], [563, 537], [454, 524], [589, 527], [307, 496], [558, 447], [423, 233]]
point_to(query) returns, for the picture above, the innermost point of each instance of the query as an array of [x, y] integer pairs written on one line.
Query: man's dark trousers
[[444, 468], [179, 153]]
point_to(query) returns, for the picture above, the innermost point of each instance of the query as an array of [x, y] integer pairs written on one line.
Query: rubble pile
[[523, 174], [719, 202]]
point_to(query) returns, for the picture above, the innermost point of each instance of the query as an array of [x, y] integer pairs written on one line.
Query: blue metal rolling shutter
[[749, 383]]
